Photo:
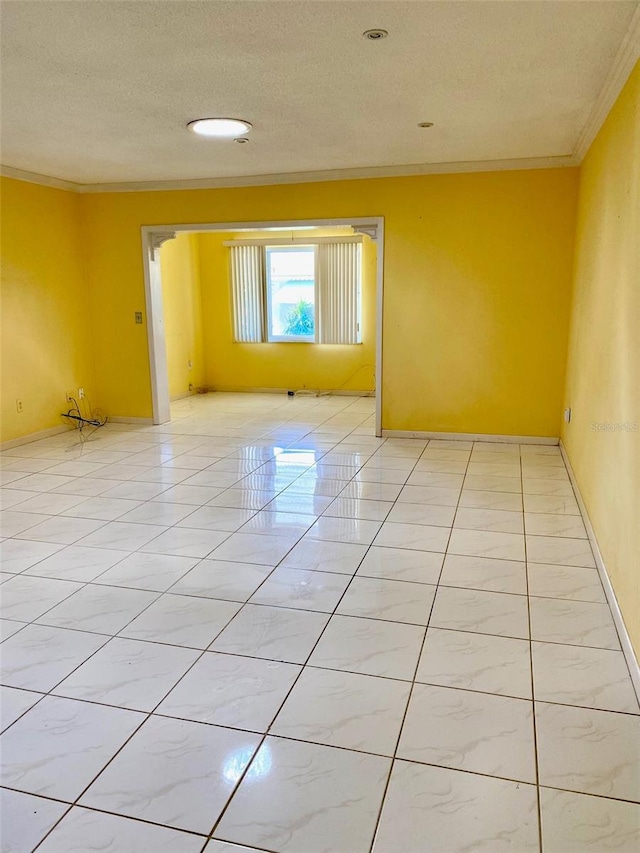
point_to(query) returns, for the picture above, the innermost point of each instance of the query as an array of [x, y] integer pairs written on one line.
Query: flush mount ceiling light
[[219, 128], [375, 35]]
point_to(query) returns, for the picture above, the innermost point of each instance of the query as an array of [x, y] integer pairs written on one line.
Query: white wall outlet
[[138, 317], [567, 415], [19, 406], [81, 393]]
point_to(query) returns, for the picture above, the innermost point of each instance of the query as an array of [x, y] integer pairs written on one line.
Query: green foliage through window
[[300, 320]]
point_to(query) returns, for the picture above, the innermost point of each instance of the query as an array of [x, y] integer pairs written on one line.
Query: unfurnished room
[[320, 426]]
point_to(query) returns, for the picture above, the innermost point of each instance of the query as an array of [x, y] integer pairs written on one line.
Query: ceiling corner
[[623, 64]]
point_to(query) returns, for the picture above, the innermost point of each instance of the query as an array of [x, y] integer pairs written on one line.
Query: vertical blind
[[338, 283], [338, 274], [247, 286]]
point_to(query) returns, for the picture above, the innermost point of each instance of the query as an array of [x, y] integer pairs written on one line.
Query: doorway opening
[[265, 306]]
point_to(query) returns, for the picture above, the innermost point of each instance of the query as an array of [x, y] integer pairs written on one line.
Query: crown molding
[[363, 173], [42, 180], [623, 64], [410, 170]]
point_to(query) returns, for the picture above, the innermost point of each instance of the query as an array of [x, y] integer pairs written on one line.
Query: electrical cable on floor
[[81, 422], [304, 393]]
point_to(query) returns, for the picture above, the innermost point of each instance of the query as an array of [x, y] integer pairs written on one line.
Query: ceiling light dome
[[221, 128]]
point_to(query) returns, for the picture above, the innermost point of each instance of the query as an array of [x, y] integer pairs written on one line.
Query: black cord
[[75, 415]]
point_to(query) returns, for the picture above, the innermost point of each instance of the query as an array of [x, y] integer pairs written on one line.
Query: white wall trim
[[623, 634], [377, 379], [34, 436], [470, 436], [283, 224], [291, 241], [152, 241], [120, 420], [622, 66], [363, 173], [42, 180], [302, 392]]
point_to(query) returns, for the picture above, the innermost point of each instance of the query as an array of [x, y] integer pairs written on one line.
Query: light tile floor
[[260, 628]]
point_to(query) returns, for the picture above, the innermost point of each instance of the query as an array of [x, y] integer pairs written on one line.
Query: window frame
[[289, 339]]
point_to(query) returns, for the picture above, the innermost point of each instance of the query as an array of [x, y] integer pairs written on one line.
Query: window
[[291, 293], [297, 293]]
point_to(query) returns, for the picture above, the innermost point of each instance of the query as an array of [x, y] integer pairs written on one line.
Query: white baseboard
[[182, 396], [470, 436], [623, 634], [118, 420], [33, 436], [243, 389]]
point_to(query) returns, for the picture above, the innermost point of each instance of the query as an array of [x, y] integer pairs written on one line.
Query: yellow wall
[[182, 312], [603, 376], [47, 346], [233, 366], [477, 285]]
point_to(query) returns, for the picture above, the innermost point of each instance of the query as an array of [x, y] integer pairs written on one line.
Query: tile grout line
[[596, 796], [394, 757], [533, 693], [44, 693]]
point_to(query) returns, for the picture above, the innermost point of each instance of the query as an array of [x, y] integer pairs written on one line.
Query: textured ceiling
[[100, 91]]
